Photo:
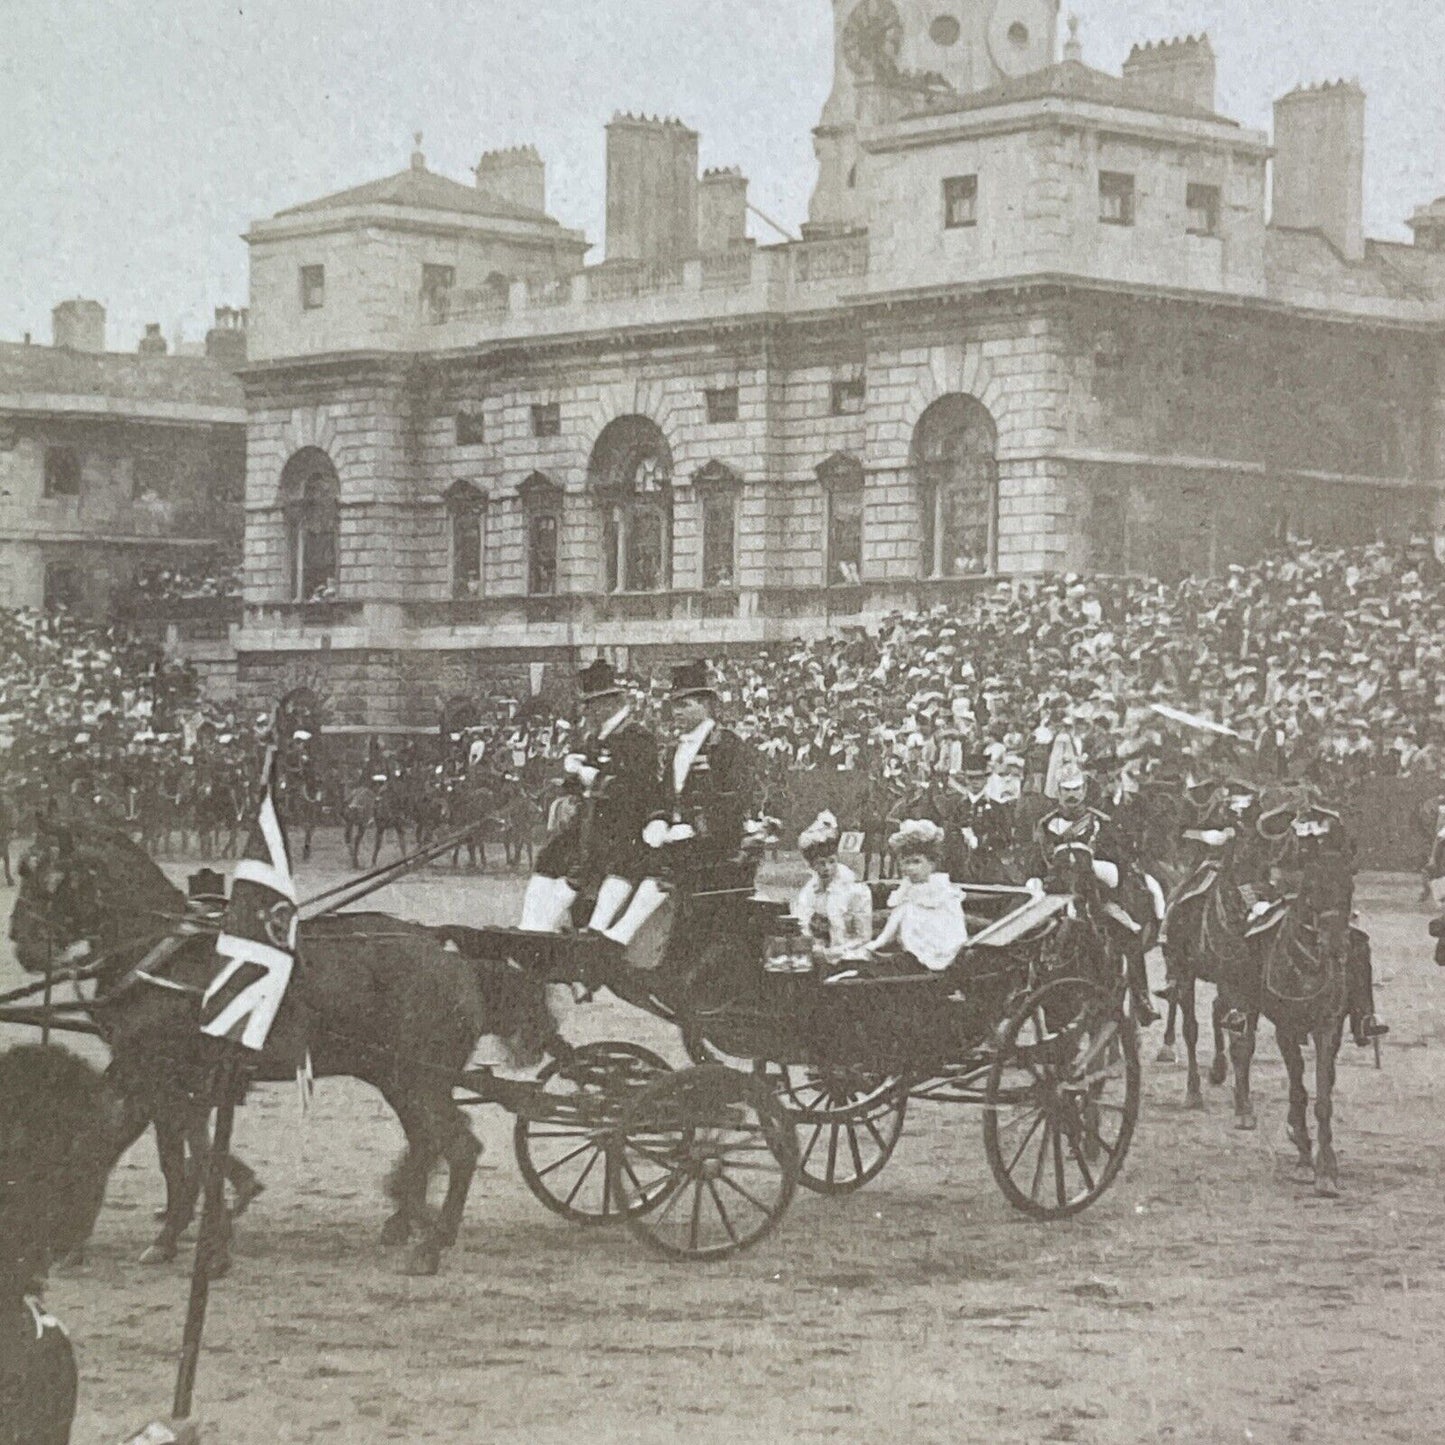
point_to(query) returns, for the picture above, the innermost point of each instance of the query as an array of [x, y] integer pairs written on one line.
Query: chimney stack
[[722, 210], [1319, 164], [516, 175], [226, 340], [1428, 225], [78, 325], [1175, 69], [152, 343], [651, 190]]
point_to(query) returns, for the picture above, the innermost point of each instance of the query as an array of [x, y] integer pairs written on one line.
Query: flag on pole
[[257, 943]]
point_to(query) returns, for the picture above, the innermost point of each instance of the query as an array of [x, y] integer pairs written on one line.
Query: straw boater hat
[[598, 679]]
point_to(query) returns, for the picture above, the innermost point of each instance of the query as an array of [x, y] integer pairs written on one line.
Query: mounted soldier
[[610, 790], [1130, 908], [696, 836]]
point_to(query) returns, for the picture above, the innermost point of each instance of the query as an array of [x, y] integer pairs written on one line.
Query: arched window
[[842, 479], [466, 526], [631, 476], [718, 487], [955, 466], [541, 500], [311, 500]]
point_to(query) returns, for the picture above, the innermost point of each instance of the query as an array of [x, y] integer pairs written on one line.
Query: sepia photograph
[[722, 722]]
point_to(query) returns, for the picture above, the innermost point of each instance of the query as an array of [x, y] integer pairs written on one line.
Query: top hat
[[689, 679], [206, 884], [598, 679]]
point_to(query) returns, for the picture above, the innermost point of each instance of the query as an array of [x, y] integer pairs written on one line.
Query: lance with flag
[[256, 953]]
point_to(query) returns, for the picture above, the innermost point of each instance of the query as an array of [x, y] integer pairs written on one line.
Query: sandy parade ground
[[1209, 1296]]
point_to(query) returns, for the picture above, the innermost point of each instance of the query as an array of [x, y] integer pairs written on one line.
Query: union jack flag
[[257, 943]]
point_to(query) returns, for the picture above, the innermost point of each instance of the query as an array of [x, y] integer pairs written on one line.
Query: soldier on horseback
[[597, 854], [1130, 907], [1313, 837]]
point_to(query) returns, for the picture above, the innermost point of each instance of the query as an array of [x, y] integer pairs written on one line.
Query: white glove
[[655, 833], [971, 838], [1035, 887], [575, 764], [1106, 873], [681, 833]]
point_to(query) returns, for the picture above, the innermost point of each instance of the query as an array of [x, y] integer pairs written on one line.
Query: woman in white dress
[[833, 907]]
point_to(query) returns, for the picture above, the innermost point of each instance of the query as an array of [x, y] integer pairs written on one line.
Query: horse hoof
[[423, 1260], [1327, 1186], [158, 1254], [72, 1259], [395, 1231], [1165, 1054], [1218, 1072], [220, 1266], [246, 1195], [1194, 1100], [1245, 1121]]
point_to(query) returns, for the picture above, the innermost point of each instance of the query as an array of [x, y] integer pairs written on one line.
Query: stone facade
[[109, 461], [1062, 337]]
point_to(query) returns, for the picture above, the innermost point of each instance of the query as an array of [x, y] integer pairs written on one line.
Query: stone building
[[1042, 318], [110, 462]]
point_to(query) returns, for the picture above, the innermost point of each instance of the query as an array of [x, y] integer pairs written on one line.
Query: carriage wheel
[[848, 1123], [1062, 1099], [563, 1159], [729, 1156]]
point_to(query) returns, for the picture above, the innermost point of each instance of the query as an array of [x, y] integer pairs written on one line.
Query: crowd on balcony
[[212, 574]]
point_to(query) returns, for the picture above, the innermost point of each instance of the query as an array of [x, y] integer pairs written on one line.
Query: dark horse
[[374, 998], [1301, 952], [1204, 942]]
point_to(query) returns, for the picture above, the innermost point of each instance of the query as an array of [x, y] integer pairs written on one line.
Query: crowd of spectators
[[1329, 663], [209, 574]]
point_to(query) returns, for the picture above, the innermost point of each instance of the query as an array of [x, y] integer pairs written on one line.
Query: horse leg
[[1299, 1099], [1327, 1169], [180, 1194], [1193, 1094], [462, 1149], [1219, 1069], [408, 1183], [1166, 1048], [245, 1186], [1241, 1053]]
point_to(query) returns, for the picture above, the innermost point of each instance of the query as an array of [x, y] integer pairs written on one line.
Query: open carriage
[[804, 1077]]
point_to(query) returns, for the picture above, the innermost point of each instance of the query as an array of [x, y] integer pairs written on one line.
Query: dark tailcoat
[[715, 799], [604, 834]]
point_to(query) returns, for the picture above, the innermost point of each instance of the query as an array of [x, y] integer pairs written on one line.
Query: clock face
[[872, 38]]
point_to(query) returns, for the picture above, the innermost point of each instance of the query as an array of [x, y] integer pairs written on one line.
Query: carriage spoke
[[692, 1229], [812, 1143], [566, 1159], [1042, 1159], [1024, 1144], [857, 1152], [582, 1177], [1081, 1162], [746, 1193], [722, 1213], [832, 1152], [873, 1129], [1059, 1166]]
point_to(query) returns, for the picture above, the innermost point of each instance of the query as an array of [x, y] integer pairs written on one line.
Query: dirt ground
[[1208, 1297]]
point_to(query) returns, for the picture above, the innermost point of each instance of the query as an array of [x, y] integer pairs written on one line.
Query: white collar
[[614, 722], [698, 735]]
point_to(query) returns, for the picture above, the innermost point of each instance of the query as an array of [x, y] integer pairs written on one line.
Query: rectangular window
[[436, 292], [845, 536], [542, 554], [719, 533], [1202, 204], [722, 405], [547, 419], [62, 472], [150, 478], [847, 397], [313, 288], [62, 587], [1116, 198], [468, 524], [471, 428], [960, 202]]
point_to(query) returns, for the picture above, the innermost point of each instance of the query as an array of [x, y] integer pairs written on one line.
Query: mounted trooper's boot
[[1365, 1026]]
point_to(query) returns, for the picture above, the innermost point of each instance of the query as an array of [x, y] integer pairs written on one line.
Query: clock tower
[[889, 56]]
